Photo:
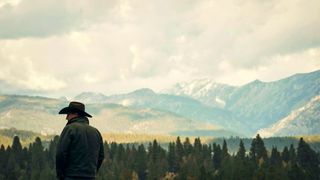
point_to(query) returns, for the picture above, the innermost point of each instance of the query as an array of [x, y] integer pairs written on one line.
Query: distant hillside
[[185, 107], [36, 114], [257, 104], [41, 115], [26, 137], [91, 98], [200, 107], [260, 104], [303, 121], [206, 91]]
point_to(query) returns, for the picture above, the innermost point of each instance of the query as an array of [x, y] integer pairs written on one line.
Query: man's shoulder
[[75, 127], [95, 129]]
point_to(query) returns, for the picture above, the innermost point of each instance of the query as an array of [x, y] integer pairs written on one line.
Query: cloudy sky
[[64, 47]]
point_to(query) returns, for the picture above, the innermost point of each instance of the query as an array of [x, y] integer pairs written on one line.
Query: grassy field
[[27, 137], [309, 138], [144, 138]]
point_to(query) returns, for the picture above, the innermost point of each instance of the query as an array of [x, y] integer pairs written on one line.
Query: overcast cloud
[[64, 47]]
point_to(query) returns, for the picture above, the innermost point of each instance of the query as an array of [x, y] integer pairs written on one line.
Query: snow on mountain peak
[[293, 122], [205, 90], [198, 87], [220, 101], [90, 97]]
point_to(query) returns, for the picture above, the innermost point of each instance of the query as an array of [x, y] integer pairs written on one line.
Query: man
[[80, 147]]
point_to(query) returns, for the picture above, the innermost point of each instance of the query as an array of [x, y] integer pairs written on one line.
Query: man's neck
[[72, 116]]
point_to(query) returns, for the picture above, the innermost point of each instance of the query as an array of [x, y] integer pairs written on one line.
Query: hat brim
[[68, 110]]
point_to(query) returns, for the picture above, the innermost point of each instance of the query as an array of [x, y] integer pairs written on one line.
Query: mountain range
[[40, 115], [258, 104], [303, 121], [198, 108]]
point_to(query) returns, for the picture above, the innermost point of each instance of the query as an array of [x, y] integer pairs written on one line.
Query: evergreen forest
[[181, 159]]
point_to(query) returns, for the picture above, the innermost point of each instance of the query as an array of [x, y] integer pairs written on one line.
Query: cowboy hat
[[75, 107]]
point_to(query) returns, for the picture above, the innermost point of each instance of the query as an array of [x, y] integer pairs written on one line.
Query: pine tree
[[51, 155], [190, 169], [113, 149], [308, 160], [172, 158], [285, 154], [16, 146], [206, 162], [17, 151], [275, 169], [47, 173], [242, 166], [197, 146], [228, 168], [241, 154], [217, 156], [296, 173], [2, 161], [275, 158], [258, 151], [179, 148], [120, 153], [179, 152], [292, 154], [26, 160], [258, 157], [37, 159], [225, 153], [187, 147], [131, 157], [141, 162], [104, 172], [12, 168], [157, 162]]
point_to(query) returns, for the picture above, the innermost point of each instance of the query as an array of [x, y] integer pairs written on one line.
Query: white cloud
[[9, 2], [43, 18], [21, 72], [114, 46], [276, 67]]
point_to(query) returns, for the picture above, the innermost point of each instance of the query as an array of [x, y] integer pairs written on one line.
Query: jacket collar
[[79, 120]]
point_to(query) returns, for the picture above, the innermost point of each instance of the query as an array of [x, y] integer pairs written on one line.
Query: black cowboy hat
[[75, 107]]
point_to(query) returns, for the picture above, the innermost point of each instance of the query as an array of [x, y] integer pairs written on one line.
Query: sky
[[65, 47]]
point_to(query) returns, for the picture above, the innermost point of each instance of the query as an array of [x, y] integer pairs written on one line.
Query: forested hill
[[182, 160], [26, 137]]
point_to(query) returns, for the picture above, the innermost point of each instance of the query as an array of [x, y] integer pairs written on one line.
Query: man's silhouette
[[80, 147]]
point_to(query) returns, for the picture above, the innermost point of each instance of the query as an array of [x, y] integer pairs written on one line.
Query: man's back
[[80, 150]]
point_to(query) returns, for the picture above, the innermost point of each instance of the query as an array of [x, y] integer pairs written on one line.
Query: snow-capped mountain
[[206, 91], [257, 104], [260, 104], [303, 121], [181, 105], [90, 97], [244, 109]]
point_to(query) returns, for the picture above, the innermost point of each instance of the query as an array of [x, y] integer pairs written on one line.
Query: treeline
[[270, 142], [181, 160]]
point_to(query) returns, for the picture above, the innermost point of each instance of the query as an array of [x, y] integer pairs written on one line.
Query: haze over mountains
[[305, 120], [259, 104], [199, 107]]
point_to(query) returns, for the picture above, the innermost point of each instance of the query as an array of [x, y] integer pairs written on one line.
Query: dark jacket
[[79, 150]]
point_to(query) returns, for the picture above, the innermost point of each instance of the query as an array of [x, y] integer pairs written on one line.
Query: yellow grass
[[309, 138], [7, 141], [143, 138]]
